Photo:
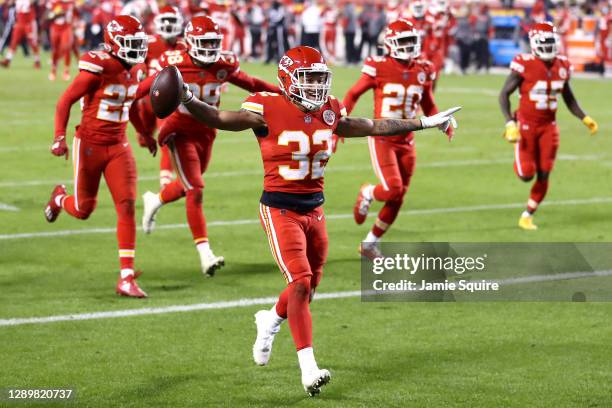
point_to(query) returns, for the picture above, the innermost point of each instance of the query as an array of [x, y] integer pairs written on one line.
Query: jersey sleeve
[[369, 67], [254, 103], [93, 62], [518, 65]]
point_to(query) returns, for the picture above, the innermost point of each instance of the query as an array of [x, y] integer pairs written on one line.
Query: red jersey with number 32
[[204, 82], [399, 88], [540, 86], [105, 111], [297, 145]]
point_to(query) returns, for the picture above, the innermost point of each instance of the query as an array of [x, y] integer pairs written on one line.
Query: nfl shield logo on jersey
[[563, 73], [221, 74], [329, 117], [421, 77]]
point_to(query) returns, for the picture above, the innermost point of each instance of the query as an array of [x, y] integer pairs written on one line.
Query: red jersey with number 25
[[105, 111], [297, 145], [399, 88], [540, 86], [204, 82]]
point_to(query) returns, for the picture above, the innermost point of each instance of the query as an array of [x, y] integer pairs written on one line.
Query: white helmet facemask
[[310, 86], [205, 48], [404, 46], [132, 48]]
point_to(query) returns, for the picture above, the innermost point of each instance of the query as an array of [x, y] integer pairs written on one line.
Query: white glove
[[186, 95], [441, 120]]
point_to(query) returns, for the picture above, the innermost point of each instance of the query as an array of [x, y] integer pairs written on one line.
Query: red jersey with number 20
[[297, 145], [540, 86], [105, 110]]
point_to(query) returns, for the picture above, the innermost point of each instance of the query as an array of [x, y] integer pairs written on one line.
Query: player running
[[294, 130], [168, 30], [539, 76], [205, 68], [402, 82], [106, 85], [25, 28], [61, 13]]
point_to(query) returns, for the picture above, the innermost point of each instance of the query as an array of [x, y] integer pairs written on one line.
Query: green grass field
[[380, 354]]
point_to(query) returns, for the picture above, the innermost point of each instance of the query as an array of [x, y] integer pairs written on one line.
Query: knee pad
[[543, 175], [86, 207], [301, 289], [194, 195]]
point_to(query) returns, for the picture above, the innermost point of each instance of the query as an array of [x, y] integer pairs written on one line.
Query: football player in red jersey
[[61, 13], [106, 85], [402, 82], [294, 130], [168, 30], [539, 77], [25, 29], [205, 68]]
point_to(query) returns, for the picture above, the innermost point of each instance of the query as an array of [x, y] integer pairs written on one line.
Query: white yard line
[[331, 169], [424, 211], [8, 207], [262, 301]]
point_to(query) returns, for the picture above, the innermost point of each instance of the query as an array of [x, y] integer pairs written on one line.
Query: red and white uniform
[[436, 46], [604, 42], [158, 46], [62, 14], [100, 145], [536, 114], [400, 89], [330, 19], [221, 14], [295, 148], [25, 26]]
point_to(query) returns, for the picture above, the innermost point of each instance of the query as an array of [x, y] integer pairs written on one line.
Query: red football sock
[[281, 304], [298, 313], [538, 192], [126, 233], [195, 215], [386, 216], [172, 192]]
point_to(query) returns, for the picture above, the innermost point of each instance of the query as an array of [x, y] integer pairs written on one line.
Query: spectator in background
[[277, 32], [464, 37], [480, 22], [255, 20], [349, 25], [372, 20], [312, 23]]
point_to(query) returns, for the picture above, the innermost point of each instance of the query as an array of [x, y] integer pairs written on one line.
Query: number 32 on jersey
[[306, 166]]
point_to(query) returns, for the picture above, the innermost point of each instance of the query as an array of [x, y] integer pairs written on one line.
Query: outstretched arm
[[574, 107], [359, 127], [252, 84], [218, 119], [360, 87]]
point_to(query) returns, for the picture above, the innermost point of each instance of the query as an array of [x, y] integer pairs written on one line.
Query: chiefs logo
[[329, 117], [421, 77], [285, 62], [563, 73], [113, 27]]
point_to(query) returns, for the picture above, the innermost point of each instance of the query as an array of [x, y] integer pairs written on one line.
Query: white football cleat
[[314, 380], [152, 204], [262, 349], [210, 263]]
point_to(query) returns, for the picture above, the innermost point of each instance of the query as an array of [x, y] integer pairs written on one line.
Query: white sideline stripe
[[331, 169], [8, 207], [263, 301], [163, 310], [424, 211]]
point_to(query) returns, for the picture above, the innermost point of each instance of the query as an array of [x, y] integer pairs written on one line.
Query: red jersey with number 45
[[296, 145], [541, 83], [399, 88], [204, 82], [105, 110]]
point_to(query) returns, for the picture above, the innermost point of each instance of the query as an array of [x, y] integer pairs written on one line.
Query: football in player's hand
[[166, 91]]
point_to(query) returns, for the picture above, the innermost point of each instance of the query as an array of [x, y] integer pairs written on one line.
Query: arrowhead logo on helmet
[[304, 77], [544, 41], [126, 39], [204, 39]]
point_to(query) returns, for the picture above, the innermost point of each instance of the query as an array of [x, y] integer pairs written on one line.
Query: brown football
[[166, 91]]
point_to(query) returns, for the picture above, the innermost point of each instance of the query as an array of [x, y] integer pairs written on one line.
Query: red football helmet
[[304, 77], [169, 22], [544, 41], [204, 39], [402, 40], [417, 9], [126, 39]]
